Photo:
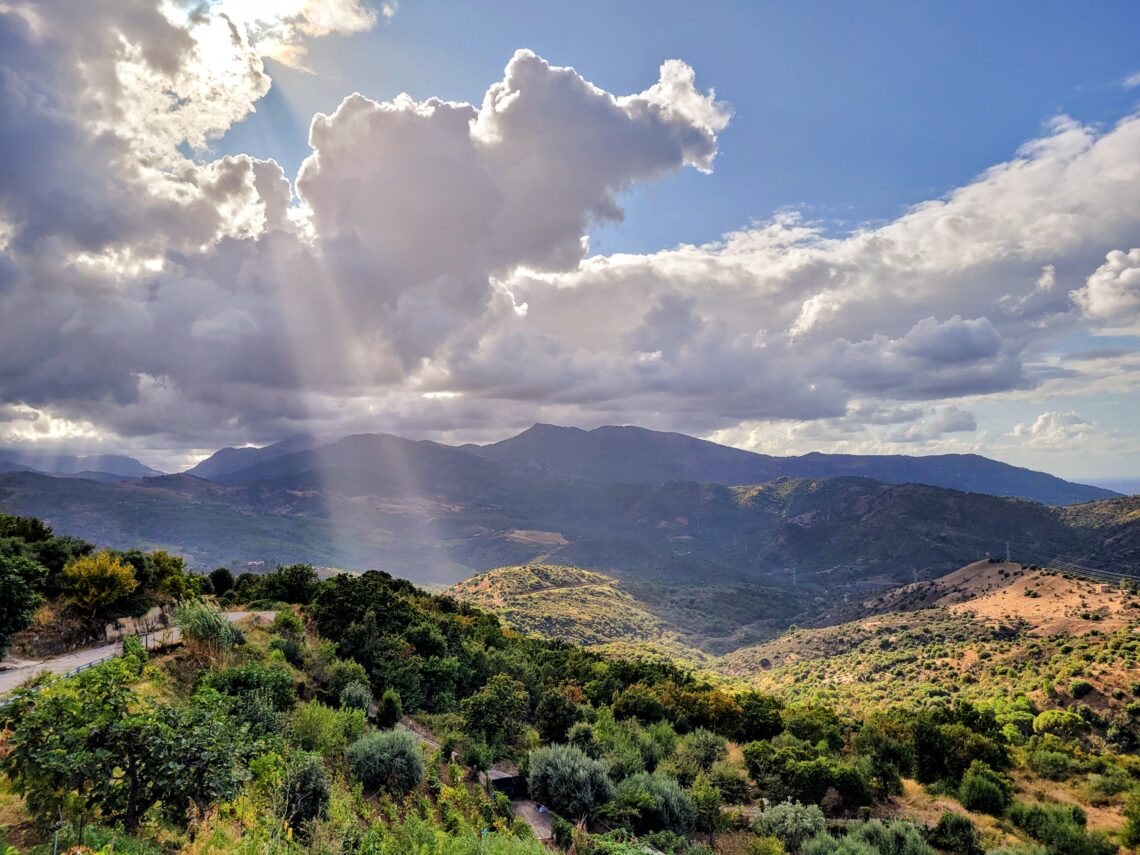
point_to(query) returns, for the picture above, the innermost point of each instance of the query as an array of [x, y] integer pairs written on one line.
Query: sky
[[862, 228]]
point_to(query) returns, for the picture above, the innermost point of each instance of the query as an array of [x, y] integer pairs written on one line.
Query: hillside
[[568, 604], [636, 455], [980, 632], [436, 515]]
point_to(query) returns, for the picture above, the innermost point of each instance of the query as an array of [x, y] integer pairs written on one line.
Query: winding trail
[[16, 671]]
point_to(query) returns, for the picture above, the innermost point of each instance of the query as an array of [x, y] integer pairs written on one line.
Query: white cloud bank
[[426, 270]]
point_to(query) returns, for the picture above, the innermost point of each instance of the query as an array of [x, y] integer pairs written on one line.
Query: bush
[[1080, 688], [328, 732], [1061, 828], [206, 630], [1053, 765], [498, 711], [96, 583], [984, 790], [1130, 836], [356, 696], [390, 761], [791, 822], [391, 710], [306, 792], [341, 672], [565, 778], [703, 748], [1061, 723], [563, 833], [731, 782], [656, 801], [957, 835]]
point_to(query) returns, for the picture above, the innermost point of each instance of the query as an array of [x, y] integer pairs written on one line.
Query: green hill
[[575, 605], [987, 631]]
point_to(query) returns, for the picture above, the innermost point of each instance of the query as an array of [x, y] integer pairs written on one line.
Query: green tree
[[391, 709], [297, 583], [388, 761], [171, 578], [568, 780], [306, 793], [706, 799], [222, 580], [90, 747], [96, 583], [20, 579], [984, 790], [555, 715], [498, 711]]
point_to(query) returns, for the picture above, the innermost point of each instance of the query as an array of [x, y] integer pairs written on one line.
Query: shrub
[[703, 748], [767, 845], [356, 696], [222, 580], [315, 727], [391, 710], [498, 711], [957, 835], [97, 582], [1053, 765], [984, 790], [206, 630], [306, 792], [568, 780], [563, 833], [1080, 688], [730, 780], [1061, 828], [341, 672], [656, 801], [1130, 836], [791, 822], [390, 761], [1061, 723]]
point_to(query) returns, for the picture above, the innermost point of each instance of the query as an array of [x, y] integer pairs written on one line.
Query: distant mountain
[[637, 455], [229, 460], [69, 464]]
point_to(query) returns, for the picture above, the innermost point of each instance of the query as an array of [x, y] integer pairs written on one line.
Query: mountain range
[[650, 507], [99, 467]]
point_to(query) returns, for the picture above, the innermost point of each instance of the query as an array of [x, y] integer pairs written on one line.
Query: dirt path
[[17, 671]]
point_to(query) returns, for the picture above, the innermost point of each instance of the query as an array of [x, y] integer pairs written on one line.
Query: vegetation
[[356, 721]]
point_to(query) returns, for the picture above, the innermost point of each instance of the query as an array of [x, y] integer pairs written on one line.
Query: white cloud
[[1111, 295], [429, 272], [1055, 431]]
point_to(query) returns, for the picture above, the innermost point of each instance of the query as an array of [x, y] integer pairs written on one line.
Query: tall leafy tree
[[20, 579]]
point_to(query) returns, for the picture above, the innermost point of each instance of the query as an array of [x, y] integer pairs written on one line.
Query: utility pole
[[1007, 560]]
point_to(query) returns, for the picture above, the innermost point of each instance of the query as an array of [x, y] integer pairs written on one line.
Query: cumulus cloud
[[427, 271], [1055, 431], [1111, 296]]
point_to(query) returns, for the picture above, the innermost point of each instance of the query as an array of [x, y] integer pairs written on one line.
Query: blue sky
[[895, 228], [850, 111]]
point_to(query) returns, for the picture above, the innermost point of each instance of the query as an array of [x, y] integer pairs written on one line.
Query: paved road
[[17, 671], [540, 823]]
